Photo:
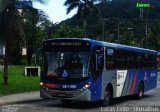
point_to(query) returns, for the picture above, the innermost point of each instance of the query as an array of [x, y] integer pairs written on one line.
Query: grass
[[18, 82]]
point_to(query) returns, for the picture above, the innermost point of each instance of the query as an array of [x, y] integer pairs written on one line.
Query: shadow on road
[[127, 98], [92, 105]]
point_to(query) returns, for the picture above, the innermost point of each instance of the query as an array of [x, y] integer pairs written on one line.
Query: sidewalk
[[22, 97], [1, 67]]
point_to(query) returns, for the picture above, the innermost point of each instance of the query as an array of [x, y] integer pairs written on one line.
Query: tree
[[48, 27], [127, 12], [10, 24], [15, 54], [67, 31], [32, 18], [9, 18], [85, 8], [155, 33]]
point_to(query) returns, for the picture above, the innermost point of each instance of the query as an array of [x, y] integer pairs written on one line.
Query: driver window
[[97, 61]]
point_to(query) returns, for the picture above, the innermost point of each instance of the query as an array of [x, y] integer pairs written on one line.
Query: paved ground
[[150, 102], [129, 104], [1, 67], [31, 96]]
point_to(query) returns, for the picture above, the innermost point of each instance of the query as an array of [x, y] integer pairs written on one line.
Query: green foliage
[[154, 35], [12, 27], [40, 37], [18, 83], [64, 31], [47, 27], [85, 9], [132, 27], [34, 35]]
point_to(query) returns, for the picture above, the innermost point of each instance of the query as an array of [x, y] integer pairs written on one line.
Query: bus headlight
[[86, 86], [41, 84]]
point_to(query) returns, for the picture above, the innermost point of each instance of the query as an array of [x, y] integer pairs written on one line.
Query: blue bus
[[81, 69]]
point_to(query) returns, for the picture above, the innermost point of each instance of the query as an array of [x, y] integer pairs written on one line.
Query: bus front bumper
[[84, 95]]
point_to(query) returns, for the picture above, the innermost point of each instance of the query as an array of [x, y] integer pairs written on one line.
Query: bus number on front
[[68, 86]]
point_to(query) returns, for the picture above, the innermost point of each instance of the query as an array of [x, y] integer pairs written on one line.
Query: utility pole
[[156, 42], [146, 28], [141, 5], [141, 13], [118, 31], [103, 29], [146, 34]]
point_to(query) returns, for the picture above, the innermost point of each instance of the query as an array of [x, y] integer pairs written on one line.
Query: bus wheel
[[64, 101], [107, 97], [140, 91]]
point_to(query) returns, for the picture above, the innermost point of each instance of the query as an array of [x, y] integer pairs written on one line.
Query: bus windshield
[[67, 64]]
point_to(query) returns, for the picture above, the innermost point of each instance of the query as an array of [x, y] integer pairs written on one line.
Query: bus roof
[[115, 45]]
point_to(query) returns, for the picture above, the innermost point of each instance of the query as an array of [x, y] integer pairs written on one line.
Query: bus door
[[97, 65]]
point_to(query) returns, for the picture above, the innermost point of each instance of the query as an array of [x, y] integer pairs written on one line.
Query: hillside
[[124, 13]]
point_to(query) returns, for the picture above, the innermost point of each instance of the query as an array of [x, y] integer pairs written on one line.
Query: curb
[[21, 97]]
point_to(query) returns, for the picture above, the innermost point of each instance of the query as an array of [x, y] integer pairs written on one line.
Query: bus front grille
[[63, 95]]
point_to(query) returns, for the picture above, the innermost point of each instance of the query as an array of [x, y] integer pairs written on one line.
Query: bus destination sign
[[68, 44]]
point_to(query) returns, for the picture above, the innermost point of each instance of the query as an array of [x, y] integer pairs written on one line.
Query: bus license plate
[[68, 86], [61, 95]]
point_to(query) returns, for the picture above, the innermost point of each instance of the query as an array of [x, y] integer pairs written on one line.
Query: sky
[[55, 10]]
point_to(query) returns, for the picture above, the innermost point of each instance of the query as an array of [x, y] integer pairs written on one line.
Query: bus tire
[[64, 101], [140, 91], [107, 97]]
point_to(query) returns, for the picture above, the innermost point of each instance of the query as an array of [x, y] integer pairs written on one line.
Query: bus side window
[[138, 60], [110, 58], [149, 61], [121, 61], [130, 60]]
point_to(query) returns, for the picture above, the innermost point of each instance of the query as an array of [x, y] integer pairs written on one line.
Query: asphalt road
[[150, 103]]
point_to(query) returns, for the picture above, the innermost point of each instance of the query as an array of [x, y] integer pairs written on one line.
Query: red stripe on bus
[[133, 85], [51, 85]]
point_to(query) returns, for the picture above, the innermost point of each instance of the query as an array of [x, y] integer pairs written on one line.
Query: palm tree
[[85, 7], [32, 17], [11, 25]]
